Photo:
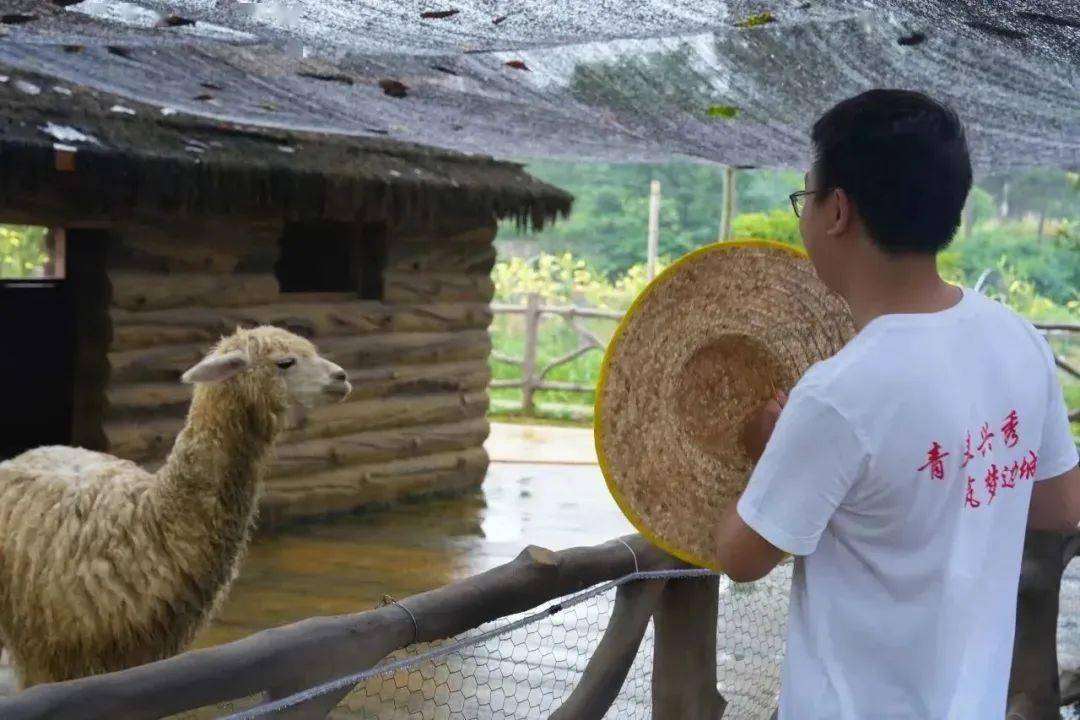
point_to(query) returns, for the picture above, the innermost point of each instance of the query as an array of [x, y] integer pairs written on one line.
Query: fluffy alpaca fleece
[[104, 565]]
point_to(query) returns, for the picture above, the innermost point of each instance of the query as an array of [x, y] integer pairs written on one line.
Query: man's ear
[[215, 368], [844, 212]]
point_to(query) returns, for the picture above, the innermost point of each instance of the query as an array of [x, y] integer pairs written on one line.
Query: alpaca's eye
[[286, 364]]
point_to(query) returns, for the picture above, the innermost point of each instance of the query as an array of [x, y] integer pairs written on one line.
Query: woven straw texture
[[707, 342]]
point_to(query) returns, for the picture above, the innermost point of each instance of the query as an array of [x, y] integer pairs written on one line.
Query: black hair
[[902, 158]]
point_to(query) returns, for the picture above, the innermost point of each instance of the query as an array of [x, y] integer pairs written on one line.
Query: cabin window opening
[[330, 257]]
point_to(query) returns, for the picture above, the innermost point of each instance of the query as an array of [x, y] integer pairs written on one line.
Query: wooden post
[[1034, 690], [684, 655], [729, 203], [654, 229], [528, 366]]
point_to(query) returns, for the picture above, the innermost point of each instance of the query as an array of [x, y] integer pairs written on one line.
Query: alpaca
[[103, 565]]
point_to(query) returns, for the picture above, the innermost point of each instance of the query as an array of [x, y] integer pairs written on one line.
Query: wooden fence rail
[[276, 663], [533, 378]]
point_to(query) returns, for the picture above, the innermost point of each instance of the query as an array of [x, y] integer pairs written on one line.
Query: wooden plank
[[342, 316], [167, 363], [142, 441], [201, 246], [134, 290], [348, 488], [440, 257], [389, 412], [146, 440], [407, 348], [408, 287], [318, 456], [684, 655], [471, 232], [171, 399]]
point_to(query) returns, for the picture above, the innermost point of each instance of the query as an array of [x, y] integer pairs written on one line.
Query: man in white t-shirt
[[902, 472]]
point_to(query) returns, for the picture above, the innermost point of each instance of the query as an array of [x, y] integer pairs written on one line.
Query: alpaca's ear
[[214, 368]]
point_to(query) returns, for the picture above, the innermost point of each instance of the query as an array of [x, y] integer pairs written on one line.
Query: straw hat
[[707, 342]]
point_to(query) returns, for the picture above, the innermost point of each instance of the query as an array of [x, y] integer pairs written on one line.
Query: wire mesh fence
[[525, 666]]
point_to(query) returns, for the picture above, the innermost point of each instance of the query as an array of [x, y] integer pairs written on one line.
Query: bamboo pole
[[654, 229], [729, 203]]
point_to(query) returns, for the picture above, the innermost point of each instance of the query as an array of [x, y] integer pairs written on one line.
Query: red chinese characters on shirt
[[991, 482], [985, 442], [1029, 466], [1009, 475], [970, 500], [1009, 434], [997, 477], [968, 455], [935, 461]]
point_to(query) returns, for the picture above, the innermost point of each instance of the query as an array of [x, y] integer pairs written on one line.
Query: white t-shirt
[[899, 475]]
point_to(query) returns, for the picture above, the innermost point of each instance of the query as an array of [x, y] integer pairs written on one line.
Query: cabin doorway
[[37, 339]]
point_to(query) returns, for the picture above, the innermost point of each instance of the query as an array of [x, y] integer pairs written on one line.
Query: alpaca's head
[[272, 365]]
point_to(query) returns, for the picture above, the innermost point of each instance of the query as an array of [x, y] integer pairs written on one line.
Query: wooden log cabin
[[175, 230]]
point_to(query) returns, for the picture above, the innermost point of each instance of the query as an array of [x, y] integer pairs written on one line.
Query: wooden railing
[[533, 378], [1049, 329], [278, 663], [283, 661]]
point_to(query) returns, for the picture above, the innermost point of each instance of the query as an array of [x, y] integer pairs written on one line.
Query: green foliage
[[611, 209], [757, 20], [22, 250], [565, 280], [779, 225], [980, 205], [606, 235], [1051, 265], [725, 112]]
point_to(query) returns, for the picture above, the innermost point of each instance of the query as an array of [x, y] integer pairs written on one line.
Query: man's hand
[[759, 426]]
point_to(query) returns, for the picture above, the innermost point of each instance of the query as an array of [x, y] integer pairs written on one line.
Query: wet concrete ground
[[348, 564]]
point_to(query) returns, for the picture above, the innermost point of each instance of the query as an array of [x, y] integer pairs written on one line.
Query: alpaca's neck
[[206, 495]]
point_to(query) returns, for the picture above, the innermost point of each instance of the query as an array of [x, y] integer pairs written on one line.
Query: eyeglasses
[[798, 200]]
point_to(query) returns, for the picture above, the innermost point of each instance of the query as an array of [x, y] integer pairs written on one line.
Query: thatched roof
[[96, 153], [734, 81]]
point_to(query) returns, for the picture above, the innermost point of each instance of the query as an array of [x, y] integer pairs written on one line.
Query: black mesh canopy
[[732, 81]]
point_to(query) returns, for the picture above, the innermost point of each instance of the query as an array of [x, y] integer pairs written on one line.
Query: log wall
[[417, 357]]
